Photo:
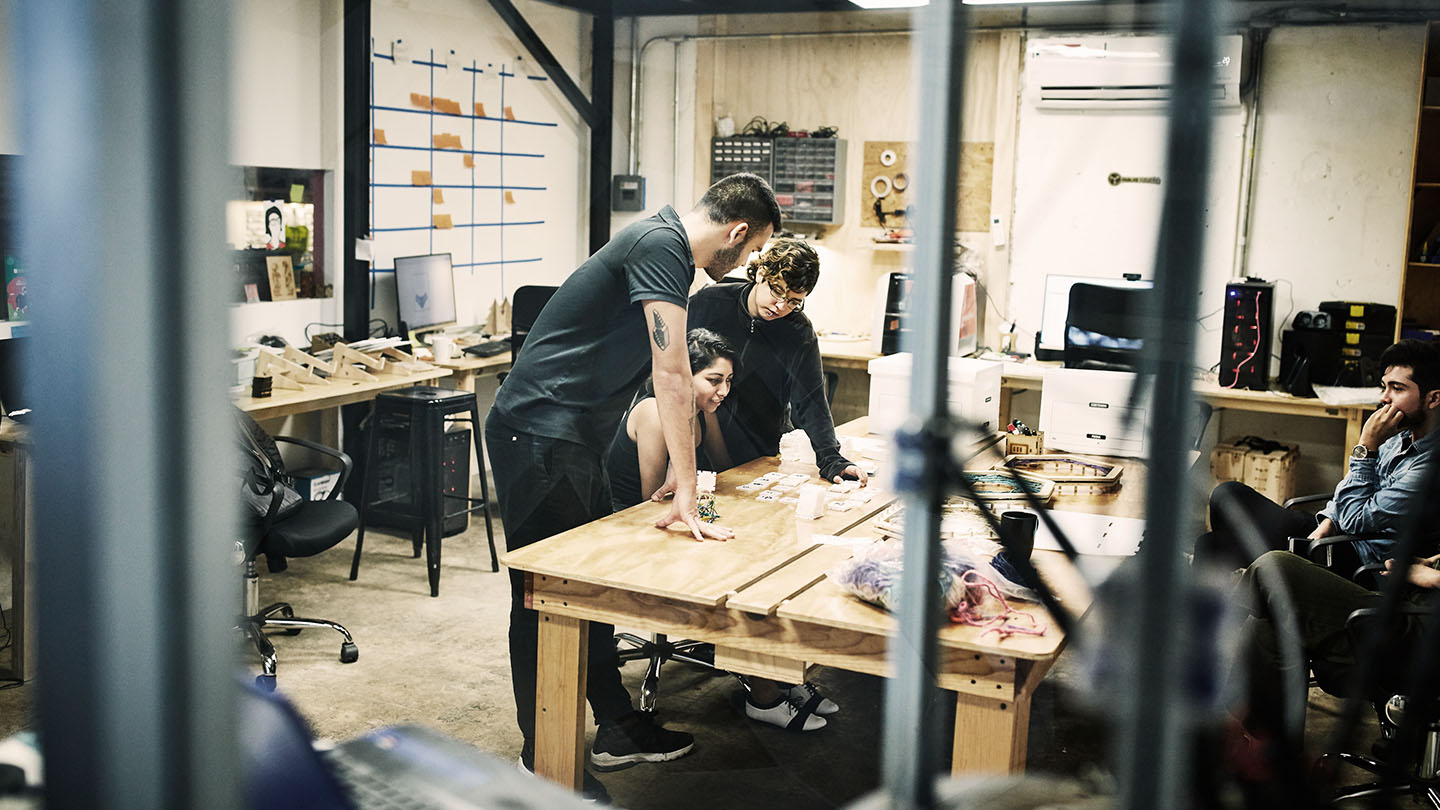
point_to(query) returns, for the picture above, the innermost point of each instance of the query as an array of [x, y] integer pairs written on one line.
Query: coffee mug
[[1017, 530]]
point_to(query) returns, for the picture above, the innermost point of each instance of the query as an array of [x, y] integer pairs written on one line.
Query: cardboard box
[[1017, 444], [317, 484], [1269, 472]]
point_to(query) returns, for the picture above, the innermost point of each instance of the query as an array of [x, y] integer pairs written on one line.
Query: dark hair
[[795, 262], [1422, 357], [706, 347], [745, 197], [274, 209]]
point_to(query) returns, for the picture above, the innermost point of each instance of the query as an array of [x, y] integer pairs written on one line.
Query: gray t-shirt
[[590, 346]]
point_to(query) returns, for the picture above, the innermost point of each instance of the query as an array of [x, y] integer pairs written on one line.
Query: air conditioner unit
[[1118, 72]]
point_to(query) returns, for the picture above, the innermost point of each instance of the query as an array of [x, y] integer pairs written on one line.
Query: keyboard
[[488, 348], [368, 790]]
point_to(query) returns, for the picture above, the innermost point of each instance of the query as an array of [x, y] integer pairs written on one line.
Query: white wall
[[285, 111], [1333, 158], [9, 115], [462, 33]]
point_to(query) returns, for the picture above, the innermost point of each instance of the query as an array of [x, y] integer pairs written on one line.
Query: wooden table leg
[[991, 736], [560, 699]]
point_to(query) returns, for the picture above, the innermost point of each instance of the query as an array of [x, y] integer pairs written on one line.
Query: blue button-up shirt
[[1374, 498]]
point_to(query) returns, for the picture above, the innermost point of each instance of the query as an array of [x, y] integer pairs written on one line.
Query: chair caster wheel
[[349, 653], [290, 631], [289, 613], [265, 682]]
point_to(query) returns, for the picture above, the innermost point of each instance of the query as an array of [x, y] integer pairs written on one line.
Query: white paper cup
[[442, 347]]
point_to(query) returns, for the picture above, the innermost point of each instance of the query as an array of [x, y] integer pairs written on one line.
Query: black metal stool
[[428, 409]]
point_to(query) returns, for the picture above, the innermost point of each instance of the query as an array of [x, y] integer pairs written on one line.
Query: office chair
[[1106, 326], [657, 650], [529, 300], [279, 523], [1420, 759]]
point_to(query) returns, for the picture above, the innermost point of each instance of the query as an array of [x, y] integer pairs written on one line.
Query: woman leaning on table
[[779, 359], [637, 464]]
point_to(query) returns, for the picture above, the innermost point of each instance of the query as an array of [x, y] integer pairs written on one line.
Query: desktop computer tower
[[1245, 336], [392, 478]]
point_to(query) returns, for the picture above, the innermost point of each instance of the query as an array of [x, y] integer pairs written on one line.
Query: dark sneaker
[[635, 738], [591, 789]]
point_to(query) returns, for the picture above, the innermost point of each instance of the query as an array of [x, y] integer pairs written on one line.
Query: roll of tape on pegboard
[[887, 157], [901, 182], [880, 186]]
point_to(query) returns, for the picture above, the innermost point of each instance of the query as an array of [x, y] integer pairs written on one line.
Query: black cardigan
[[779, 366]]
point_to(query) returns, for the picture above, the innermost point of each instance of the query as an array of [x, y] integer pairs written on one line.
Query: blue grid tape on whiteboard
[[488, 185]]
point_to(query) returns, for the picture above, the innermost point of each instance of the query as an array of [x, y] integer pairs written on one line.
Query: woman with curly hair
[[779, 363]]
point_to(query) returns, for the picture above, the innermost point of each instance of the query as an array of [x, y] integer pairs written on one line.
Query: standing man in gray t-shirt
[[547, 431]]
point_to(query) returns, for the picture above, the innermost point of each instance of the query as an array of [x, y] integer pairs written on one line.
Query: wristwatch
[[1359, 452]]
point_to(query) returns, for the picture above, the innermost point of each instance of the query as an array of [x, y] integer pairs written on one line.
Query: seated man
[[1387, 469]]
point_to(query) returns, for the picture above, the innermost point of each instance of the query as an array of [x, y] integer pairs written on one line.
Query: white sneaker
[[803, 692], [787, 714]]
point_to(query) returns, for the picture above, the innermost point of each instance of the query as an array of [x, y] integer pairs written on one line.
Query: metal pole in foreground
[[1153, 756], [911, 743]]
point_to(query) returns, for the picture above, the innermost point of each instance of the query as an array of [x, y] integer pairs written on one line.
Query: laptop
[[393, 768]]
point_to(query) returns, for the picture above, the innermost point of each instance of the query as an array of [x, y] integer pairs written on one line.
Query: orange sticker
[[423, 102], [380, 137], [479, 110], [446, 140], [509, 197], [438, 196], [418, 178], [509, 114], [442, 221], [446, 105], [469, 161]]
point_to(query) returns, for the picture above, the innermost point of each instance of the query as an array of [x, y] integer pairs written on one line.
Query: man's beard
[[725, 259]]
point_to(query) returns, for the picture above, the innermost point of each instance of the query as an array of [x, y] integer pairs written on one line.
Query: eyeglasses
[[795, 304]]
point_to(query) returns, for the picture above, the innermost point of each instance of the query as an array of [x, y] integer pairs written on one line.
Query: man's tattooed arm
[[661, 332]]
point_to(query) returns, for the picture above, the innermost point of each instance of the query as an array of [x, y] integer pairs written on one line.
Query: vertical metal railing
[[125, 126], [911, 742]]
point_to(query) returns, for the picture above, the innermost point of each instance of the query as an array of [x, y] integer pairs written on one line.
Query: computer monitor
[[1050, 342], [425, 292]]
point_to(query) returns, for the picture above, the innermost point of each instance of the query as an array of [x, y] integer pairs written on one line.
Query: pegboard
[[895, 182]]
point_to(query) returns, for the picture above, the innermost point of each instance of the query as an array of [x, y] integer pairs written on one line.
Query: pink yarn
[[980, 589]]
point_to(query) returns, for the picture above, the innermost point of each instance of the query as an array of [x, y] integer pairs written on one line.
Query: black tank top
[[622, 462]]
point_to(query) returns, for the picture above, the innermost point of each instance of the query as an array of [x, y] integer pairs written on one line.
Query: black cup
[[260, 387], [1017, 531]]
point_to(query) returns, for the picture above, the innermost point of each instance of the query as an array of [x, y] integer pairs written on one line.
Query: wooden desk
[[466, 369], [1030, 375], [288, 401], [763, 600], [16, 545], [847, 353]]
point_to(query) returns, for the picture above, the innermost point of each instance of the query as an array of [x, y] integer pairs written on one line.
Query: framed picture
[[282, 277]]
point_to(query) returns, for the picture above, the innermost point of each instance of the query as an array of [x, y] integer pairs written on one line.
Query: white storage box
[[974, 392], [1083, 411]]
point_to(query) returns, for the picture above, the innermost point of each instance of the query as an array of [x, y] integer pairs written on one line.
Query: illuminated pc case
[[1245, 337]]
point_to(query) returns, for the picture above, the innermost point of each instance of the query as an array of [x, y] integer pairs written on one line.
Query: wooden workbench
[[762, 598], [330, 394]]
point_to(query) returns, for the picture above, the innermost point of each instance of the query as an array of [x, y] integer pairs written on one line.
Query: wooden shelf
[[898, 247], [1424, 264]]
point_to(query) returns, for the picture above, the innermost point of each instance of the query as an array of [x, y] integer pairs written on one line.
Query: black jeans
[[1234, 505], [544, 487]]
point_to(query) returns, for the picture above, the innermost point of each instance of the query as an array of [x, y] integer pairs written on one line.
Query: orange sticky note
[[418, 178], [509, 114], [438, 196], [380, 136], [469, 161], [509, 197], [479, 110], [442, 221], [423, 102]]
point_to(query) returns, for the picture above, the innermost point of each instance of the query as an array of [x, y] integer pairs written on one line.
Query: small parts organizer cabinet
[[1265, 466]]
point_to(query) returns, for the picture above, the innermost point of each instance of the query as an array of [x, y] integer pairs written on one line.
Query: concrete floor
[[442, 662]]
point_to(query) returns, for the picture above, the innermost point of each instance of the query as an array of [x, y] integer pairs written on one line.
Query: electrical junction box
[[627, 192]]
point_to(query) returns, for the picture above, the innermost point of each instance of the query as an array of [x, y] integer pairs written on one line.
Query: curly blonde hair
[[794, 262]]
